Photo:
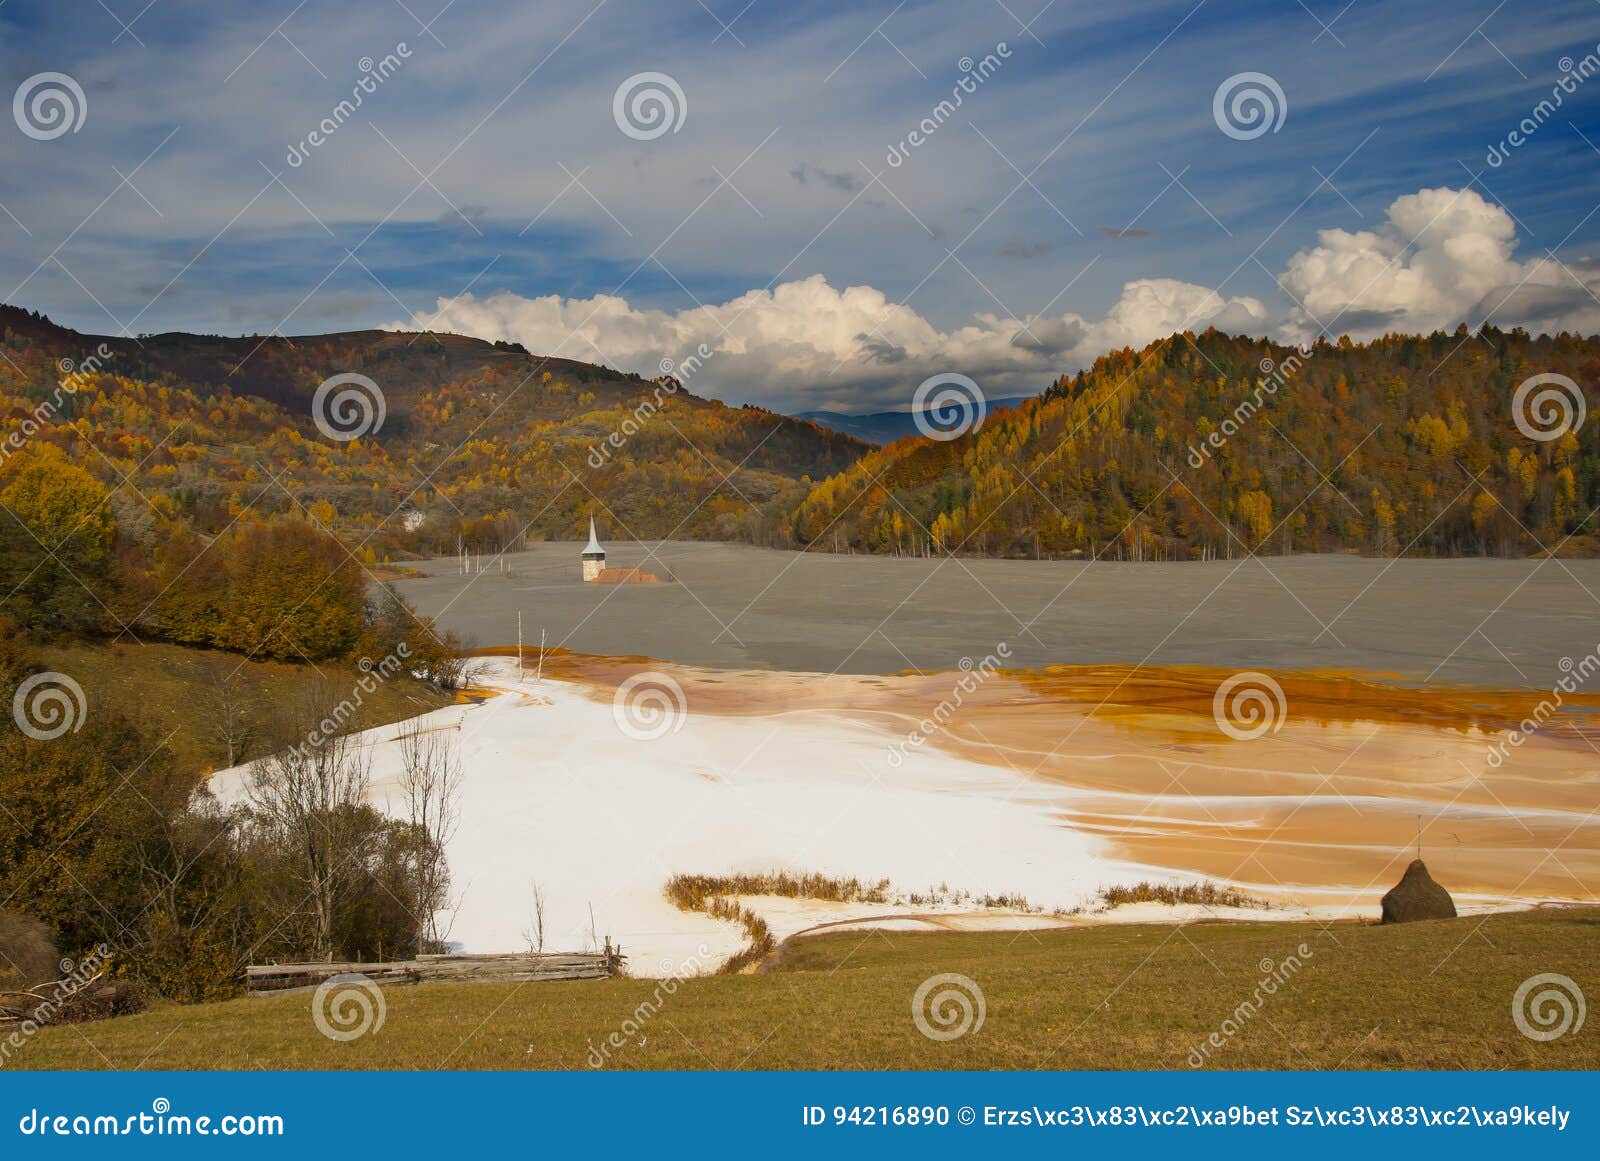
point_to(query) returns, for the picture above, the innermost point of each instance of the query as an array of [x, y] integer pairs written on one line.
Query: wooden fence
[[263, 979]]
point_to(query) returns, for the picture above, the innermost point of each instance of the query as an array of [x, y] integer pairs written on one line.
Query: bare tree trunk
[[535, 932], [430, 779], [311, 793], [227, 691]]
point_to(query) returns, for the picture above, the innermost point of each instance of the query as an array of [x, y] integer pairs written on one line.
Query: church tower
[[594, 557]]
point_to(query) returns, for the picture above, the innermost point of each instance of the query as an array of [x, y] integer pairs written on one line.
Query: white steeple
[[594, 557]]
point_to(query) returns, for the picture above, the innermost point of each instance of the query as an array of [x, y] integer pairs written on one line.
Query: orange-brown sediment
[[1332, 801]]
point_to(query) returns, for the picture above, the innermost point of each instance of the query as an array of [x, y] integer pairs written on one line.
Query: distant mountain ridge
[[887, 426]]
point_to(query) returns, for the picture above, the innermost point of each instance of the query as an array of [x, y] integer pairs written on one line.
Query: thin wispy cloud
[[190, 198]]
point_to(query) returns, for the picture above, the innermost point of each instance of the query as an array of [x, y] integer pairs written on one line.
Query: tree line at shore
[[107, 838]]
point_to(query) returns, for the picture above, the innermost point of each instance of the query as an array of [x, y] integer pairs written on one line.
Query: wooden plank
[[263, 979]]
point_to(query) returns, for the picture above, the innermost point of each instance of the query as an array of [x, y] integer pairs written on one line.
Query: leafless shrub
[[310, 794], [534, 933], [231, 716], [430, 779]]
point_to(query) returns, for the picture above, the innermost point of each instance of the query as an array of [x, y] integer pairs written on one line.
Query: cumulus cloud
[[1440, 257], [805, 345]]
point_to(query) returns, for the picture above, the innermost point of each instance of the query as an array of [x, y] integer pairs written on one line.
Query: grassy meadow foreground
[[1432, 995]]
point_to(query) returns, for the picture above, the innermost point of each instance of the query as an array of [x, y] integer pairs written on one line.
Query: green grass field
[[1434, 995], [166, 689]]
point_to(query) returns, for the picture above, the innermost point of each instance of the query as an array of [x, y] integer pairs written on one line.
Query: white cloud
[[805, 345], [1441, 257]]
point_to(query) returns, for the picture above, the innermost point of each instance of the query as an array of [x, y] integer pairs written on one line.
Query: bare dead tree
[[535, 930], [430, 780], [310, 793], [227, 697]]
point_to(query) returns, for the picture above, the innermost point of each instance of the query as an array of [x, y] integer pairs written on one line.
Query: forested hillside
[[1196, 446], [482, 440], [1213, 445]]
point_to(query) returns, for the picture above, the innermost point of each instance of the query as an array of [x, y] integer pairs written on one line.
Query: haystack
[[1417, 896]]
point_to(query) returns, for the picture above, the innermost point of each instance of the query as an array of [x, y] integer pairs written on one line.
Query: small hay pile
[[1416, 896]]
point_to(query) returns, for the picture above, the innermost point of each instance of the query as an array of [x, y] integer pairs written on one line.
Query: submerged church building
[[596, 572]]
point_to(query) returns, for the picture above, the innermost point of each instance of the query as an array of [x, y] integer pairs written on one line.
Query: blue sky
[[490, 165]]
